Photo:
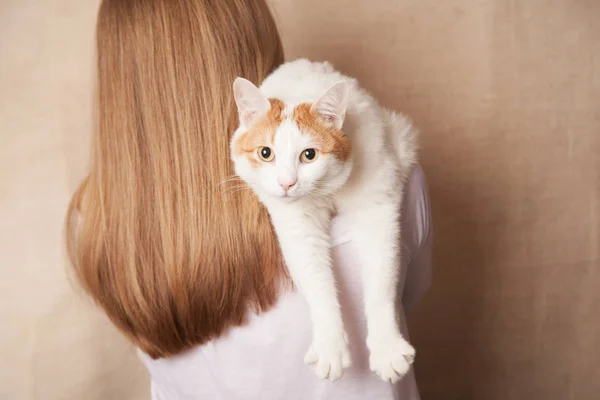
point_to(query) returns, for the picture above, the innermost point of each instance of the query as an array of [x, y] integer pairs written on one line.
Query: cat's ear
[[251, 103], [331, 107]]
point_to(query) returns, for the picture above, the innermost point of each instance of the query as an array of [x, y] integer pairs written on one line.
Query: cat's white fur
[[366, 190]]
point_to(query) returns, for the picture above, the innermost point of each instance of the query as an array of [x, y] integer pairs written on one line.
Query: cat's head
[[289, 152]]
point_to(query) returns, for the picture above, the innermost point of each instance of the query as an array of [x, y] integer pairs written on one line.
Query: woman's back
[[264, 358]]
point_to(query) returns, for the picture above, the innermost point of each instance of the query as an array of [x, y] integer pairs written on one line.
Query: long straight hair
[[156, 234]]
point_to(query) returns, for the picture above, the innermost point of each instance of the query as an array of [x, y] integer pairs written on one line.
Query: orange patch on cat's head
[[330, 140], [262, 132]]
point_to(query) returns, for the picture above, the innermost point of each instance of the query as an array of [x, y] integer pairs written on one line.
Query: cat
[[311, 143]]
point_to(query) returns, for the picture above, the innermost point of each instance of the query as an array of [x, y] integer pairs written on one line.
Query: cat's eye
[[308, 156], [266, 154]]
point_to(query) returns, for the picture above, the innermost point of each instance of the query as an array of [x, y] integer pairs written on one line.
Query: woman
[[188, 269]]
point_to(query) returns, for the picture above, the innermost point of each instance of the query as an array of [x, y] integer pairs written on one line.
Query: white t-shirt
[[263, 360]]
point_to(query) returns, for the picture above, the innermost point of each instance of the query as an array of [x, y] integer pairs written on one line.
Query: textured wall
[[507, 96]]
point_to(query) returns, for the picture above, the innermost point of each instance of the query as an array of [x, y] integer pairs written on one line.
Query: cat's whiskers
[[232, 191], [230, 179], [319, 187], [237, 188], [323, 194]]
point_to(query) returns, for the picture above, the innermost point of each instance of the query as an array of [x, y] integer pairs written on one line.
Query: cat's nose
[[286, 184]]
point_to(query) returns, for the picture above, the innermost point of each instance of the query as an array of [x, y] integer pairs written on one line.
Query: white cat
[[312, 143]]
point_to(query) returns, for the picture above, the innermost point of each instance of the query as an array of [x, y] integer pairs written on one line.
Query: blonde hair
[[171, 255]]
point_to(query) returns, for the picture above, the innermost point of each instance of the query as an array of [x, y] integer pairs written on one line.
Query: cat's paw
[[329, 356], [391, 357]]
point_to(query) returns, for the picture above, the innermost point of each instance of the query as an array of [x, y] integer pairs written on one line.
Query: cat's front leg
[[376, 234], [304, 238]]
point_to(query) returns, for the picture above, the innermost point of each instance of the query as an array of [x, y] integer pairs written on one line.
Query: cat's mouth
[[288, 198]]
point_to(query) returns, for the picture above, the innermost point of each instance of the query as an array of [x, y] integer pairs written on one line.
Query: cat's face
[[290, 153]]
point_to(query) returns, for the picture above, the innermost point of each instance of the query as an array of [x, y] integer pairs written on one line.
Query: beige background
[[507, 94]]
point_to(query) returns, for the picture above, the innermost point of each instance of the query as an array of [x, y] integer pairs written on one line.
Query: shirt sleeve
[[417, 238]]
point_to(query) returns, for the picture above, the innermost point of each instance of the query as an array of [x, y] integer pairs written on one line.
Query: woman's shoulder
[[417, 227]]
